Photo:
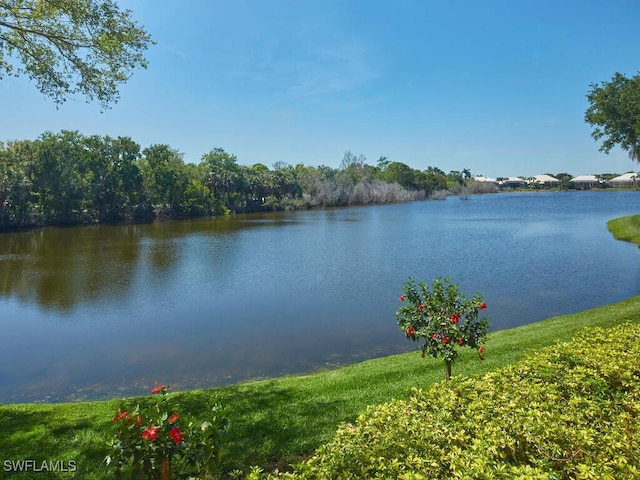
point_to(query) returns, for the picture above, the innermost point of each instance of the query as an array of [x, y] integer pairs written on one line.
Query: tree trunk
[[448, 369], [165, 474]]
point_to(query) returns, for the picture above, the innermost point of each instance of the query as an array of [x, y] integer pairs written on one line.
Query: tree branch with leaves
[[614, 111], [71, 47]]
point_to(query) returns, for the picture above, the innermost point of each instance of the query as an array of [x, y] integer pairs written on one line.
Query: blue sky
[[495, 86]]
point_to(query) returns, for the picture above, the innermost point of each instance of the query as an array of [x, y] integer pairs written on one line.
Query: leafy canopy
[[71, 47], [615, 112]]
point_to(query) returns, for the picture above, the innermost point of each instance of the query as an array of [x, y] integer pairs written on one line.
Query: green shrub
[[568, 412]]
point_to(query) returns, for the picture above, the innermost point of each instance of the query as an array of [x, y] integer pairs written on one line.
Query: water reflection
[[60, 268]]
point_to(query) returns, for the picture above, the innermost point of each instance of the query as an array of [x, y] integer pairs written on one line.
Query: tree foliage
[[69, 178], [614, 111], [71, 47]]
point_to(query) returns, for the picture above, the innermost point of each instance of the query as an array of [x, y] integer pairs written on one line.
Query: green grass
[[626, 228], [276, 422]]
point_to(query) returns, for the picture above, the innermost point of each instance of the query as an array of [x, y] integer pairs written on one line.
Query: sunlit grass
[[276, 422], [626, 228]]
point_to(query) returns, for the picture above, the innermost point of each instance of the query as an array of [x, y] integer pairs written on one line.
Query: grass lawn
[[277, 422], [626, 228]]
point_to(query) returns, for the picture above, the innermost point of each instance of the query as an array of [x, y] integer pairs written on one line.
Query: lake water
[[104, 311]]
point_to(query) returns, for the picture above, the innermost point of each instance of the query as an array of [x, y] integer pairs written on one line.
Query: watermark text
[[31, 465]]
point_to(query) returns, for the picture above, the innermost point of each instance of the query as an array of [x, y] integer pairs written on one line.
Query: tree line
[[71, 178]]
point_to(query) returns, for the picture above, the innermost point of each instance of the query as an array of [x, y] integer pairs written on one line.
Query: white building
[[545, 181], [629, 179], [484, 179], [586, 181], [514, 182]]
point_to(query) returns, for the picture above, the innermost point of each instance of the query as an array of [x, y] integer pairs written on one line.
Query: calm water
[[103, 311]]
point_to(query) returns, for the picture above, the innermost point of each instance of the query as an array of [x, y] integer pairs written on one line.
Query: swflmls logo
[[43, 466]]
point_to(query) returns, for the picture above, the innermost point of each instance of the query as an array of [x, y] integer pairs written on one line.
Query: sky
[[495, 86]]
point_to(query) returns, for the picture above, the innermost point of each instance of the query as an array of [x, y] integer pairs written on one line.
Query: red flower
[[138, 420], [157, 389], [402, 298], [483, 306], [421, 307], [445, 340], [150, 433], [436, 336], [175, 435], [120, 416], [460, 341], [410, 331], [173, 418], [455, 318]]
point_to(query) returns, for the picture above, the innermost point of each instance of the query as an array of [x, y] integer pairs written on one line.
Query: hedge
[[570, 411]]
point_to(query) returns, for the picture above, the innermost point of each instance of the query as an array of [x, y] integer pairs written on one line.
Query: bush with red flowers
[[442, 316], [157, 442]]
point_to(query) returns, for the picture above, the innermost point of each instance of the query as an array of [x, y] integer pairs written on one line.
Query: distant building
[[484, 179], [629, 179], [514, 182], [586, 181], [545, 181]]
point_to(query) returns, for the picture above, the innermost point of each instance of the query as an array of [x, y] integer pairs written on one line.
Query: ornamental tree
[[443, 318]]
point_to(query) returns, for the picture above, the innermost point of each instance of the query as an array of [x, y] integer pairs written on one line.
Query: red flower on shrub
[[173, 418], [410, 331], [175, 435], [445, 340], [157, 389], [421, 307], [402, 298], [455, 318], [138, 420], [120, 416], [460, 341], [150, 433], [436, 336], [483, 306]]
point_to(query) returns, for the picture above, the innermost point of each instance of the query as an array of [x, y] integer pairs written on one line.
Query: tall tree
[[115, 179], [164, 178], [61, 177], [17, 163], [70, 47], [223, 176], [615, 112]]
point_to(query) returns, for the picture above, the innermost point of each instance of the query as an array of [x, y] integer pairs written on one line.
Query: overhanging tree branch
[[71, 46]]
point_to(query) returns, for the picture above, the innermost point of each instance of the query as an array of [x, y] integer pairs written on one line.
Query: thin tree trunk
[[165, 474], [448, 369]]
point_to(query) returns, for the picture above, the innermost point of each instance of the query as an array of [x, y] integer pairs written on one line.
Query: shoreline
[[278, 421]]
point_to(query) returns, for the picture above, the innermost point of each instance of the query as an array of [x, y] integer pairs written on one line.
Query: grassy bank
[[626, 228], [275, 422]]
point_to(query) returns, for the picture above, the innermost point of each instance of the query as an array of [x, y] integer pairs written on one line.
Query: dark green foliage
[[614, 110], [68, 178]]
